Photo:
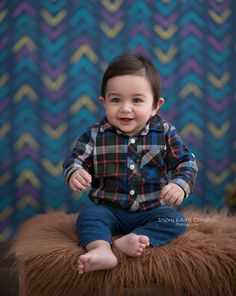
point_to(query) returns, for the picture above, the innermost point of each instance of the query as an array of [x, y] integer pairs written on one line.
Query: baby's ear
[[101, 100], [158, 105], [160, 102]]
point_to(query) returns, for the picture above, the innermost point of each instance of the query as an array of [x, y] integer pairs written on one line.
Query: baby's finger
[[79, 186], [166, 192], [179, 199], [81, 180], [173, 198], [81, 177], [86, 176], [73, 187], [163, 192]]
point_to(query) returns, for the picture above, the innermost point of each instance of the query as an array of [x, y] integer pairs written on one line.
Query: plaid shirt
[[130, 171]]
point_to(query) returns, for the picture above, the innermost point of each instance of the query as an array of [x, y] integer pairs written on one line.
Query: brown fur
[[200, 262]]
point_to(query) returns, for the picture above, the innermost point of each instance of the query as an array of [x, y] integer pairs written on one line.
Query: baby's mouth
[[126, 120]]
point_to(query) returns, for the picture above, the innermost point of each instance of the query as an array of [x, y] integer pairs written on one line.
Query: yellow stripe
[[111, 32], [4, 178], [217, 179], [112, 6], [27, 200], [4, 129], [191, 128], [219, 83], [221, 18], [4, 236], [55, 133], [6, 213], [54, 20], [165, 34], [25, 90], [24, 41], [26, 138], [54, 85], [54, 170], [218, 132], [3, 79], [84, 50], [233, 167], [27, 175], [166, 57], [83, 101], [190, 88], [3, 14]]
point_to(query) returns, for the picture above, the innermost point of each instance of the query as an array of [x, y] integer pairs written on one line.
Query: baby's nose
[[125, 107]]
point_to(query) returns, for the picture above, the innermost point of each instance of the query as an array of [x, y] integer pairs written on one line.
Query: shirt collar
[[154, 123]]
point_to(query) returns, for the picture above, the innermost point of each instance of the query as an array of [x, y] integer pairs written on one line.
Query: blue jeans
[[99, 222]]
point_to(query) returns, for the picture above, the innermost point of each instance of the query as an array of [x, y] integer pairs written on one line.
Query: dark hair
[[128, 64]]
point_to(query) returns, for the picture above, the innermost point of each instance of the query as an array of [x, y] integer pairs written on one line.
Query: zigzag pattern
[[190, 86], [52, 57], [218, 95]]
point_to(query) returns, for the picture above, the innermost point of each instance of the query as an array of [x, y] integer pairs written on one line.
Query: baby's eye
[[115, 100], [137, 100]]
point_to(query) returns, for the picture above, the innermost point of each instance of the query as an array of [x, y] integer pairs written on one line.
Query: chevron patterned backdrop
[[52, 58]]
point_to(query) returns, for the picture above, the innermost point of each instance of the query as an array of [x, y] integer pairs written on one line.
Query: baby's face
[[128, 103]]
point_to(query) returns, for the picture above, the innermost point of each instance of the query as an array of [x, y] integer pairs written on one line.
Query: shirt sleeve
[[180, 161], [81, 156]]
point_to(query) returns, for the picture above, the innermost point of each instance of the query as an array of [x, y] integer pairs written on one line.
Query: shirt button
[[132, 167], [132, 140], [132, 192]]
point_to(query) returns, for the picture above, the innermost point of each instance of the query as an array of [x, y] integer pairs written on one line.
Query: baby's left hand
[[172, 194]]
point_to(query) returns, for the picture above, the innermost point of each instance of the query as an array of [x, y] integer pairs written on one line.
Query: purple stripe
[[53, 33], [6, 223], [3, 4], [84, 39], [219, 7], [26, 151], [218, 166], [191, 64], [218, 106], [54, 95], [4, 103], [142, 50], [5, 164], [168, 82], [4, 42], [24, 7], [54, 120], [53, 73], [166, 22], [27, 189], [191, 139], [191, 28], [198, 189], [112, 19], [25, 52], [141, 29], [170, 114], [219, 45]]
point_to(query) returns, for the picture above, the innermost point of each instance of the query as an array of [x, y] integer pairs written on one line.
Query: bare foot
[[132, 244], [96, 259]]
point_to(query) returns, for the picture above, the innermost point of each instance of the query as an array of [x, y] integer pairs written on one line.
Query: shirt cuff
[[184, 185], [71, 171]]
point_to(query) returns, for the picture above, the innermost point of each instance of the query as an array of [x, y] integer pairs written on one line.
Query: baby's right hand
[[79, 180]]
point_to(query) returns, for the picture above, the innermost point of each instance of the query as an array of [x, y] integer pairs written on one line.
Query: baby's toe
[[144, 239]]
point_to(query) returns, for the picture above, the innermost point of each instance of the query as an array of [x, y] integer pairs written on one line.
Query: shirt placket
[[132, 164]]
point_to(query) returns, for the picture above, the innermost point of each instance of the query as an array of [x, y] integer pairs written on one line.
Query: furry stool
[[200, 262]]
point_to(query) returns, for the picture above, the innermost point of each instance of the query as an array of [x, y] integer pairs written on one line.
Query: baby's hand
[[172, 194], [79, 180]]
